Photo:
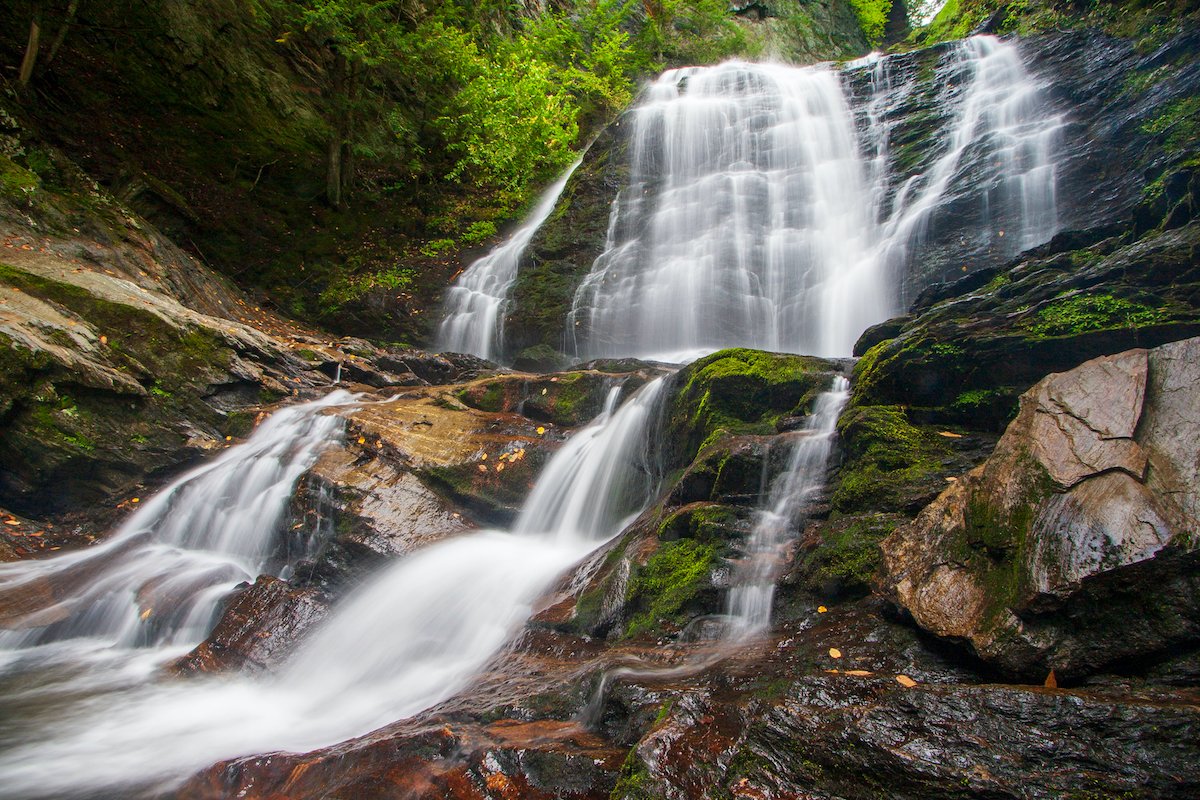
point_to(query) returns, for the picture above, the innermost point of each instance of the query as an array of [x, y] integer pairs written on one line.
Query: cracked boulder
[[1076, 546]]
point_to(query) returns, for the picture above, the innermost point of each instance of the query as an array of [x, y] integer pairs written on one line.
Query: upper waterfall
[[760, 213], [747, 221]]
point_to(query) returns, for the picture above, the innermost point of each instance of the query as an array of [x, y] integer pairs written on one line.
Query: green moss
[[16, 182], [672, 577], [1178, 125], [634, 781], [741, 391], [704, 523], [846, 560], [1074, 315], [884, 454]]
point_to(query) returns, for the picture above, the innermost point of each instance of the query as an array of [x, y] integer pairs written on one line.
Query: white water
[[1000, 112], [766, 552], [410, 638], [157, 580], [746, 219], [753, 217], [473, 317]]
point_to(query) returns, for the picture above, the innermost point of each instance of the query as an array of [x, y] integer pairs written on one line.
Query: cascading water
[[747, 208], [408, 639], [473, 317], [999, 111], [158, 579], [753, 215], [753, 580]]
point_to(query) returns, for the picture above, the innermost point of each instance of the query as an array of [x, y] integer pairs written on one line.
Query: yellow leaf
[[905, 681], [362, 440], [821, 609], [835, 653], [541, 431], [950, 435], [858, 672], [483, 457], [483, 467], [146, 613]]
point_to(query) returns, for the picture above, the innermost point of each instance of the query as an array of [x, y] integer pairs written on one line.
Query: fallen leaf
[[832, 671], [11, 522], [951, 480], [950, 435], [1051, 681], [821, 609], [146, 613], [835, 653], [136, 500], [483, 457], [103, 340], [541, 431], [483, 467], [858, 672], [905, 681], [362, 440]]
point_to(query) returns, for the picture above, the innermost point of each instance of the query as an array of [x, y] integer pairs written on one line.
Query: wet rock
[[739, 392], [1074, 546], [484, 463], [569, 399], [261, 624], [433, 759], [966, 358], [540, 358]]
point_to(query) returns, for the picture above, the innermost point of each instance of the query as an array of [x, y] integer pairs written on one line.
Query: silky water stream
[[95, 713]]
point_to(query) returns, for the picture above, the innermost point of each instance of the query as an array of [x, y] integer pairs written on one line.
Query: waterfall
[[999, 113], [754, 216], [753, 579], [473, 317], [157, 580], [414, 635], [746, 209]]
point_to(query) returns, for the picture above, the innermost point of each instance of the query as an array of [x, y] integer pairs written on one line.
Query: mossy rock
[[673, 586], [732, 469], [739, 391], [840, 558], [567, 399]]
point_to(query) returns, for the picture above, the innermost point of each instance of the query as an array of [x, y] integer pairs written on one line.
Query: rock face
[[1074, 546]]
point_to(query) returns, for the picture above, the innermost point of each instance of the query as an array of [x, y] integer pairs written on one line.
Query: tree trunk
[[333, 177], [339, 103], [351, 122], [35, 32], [72, 7]]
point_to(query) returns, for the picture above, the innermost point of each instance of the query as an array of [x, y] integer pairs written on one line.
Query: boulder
[[1074, 547]]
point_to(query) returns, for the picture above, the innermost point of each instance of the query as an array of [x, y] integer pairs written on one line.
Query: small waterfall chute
[[473, 316], [159, 577]]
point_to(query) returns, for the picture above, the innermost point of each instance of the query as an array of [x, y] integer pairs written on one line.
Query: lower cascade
[[411, 637]]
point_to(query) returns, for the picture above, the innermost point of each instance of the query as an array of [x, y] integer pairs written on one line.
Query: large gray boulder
[[1075, 545]]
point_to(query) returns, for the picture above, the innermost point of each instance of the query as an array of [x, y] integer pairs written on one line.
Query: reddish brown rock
[[258, 629]]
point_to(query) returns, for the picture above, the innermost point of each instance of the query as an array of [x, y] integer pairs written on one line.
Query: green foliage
[[1082, 313], [478, 232], [872, 15]]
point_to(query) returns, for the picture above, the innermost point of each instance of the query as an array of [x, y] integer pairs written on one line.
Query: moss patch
[[740, 391], [662, 588]]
